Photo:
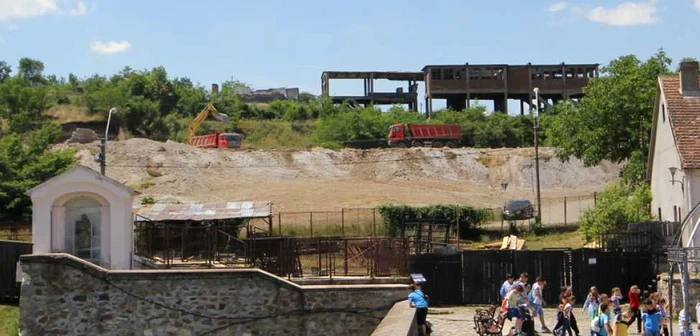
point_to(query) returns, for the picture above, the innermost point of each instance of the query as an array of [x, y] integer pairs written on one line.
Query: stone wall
[[694, 291], [400, 321], [63, 295]]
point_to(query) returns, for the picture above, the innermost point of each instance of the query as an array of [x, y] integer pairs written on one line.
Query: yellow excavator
[[213, 140]]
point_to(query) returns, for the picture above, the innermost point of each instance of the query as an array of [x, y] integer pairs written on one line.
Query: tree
[[26, 161], [618, 205], [613, 120], [5, 71], [31, 70]]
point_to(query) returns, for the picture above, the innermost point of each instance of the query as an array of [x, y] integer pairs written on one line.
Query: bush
[[618, 205], [468, 218]]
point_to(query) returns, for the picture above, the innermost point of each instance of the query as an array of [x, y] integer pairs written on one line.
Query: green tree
[[31, 70], [5, 71], [613, 120], [618, 205], [22, 105], [26, 161]]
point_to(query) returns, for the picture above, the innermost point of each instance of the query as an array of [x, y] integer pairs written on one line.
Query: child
[[651, 319], [513, 311], [683, 323], [622, 323], [538, 302], [616, 297], [660, 306], [566, 317], [633, 295], [592, 303], [505, 287]]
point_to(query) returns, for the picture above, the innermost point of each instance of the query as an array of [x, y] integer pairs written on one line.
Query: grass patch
[[270, 134], [489, 160], [70, 113], [552, 237], [9, 320]]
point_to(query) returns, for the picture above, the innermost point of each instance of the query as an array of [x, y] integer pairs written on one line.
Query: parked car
[[518, 209]]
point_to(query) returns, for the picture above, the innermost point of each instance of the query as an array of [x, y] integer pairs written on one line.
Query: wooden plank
[[504, 244]]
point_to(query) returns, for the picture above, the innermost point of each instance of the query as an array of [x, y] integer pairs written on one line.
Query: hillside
[[322, 179]]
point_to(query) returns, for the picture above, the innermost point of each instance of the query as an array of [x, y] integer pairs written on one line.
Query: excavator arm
[[208, 110]]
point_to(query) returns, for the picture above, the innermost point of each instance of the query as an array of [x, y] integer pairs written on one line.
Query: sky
[[282, 43]]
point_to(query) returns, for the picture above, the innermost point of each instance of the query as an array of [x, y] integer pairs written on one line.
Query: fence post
[[564, 210], [345, 262], [374, 222], [279, 223], [342, 222], [311, 223]]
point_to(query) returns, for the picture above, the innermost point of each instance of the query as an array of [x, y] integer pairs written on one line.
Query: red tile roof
[[684, 115]]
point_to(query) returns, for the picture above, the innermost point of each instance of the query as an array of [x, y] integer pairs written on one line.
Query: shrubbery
[[618, 205], [465, 217]]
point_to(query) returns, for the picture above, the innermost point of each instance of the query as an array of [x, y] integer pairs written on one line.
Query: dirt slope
[[322, 179]]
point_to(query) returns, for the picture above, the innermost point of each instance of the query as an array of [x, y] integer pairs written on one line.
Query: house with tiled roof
[[674, 152]]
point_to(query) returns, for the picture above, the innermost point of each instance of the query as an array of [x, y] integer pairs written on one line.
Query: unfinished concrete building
[[408, 95], [460, 84]]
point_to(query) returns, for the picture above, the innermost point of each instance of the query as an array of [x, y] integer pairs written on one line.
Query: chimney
[[689, 79], [215, 89]]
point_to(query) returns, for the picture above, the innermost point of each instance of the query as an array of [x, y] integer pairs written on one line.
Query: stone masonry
[[694, 291], [64, 295]]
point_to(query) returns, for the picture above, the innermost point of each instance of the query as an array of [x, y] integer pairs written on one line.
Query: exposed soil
[[321, 179]]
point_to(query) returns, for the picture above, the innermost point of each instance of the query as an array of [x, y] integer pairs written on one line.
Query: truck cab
[[229, 140], [397, 135]]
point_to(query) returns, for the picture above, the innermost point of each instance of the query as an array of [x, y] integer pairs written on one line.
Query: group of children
[[604, 312]]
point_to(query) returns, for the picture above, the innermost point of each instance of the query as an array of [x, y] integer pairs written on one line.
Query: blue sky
[[270, 43]]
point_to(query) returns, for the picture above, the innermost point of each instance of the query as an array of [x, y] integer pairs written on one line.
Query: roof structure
[[78, 169], [390, 75], [204, 211], [684, 116]]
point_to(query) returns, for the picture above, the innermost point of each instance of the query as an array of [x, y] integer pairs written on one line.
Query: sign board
[[418, 278], [592, 261]]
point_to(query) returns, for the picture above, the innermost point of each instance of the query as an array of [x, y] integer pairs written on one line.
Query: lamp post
[[103, 145], [504, 186], [535, 126]]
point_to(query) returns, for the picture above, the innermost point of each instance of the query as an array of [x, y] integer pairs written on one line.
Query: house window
[[83, 219], [436, 74], [449, 74], [537, 74]]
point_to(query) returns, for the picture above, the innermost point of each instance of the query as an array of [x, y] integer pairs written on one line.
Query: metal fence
[[9, 258], [330, 257], [346, 222]]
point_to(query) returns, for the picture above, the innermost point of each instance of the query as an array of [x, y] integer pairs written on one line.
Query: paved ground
[[461, 321]]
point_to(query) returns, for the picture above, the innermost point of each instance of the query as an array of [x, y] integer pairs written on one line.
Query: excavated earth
[[322, 179]]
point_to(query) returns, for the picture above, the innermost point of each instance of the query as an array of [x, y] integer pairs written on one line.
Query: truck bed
[[428, 131]]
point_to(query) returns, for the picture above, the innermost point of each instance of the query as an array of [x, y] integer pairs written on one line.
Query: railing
[[330, 257]]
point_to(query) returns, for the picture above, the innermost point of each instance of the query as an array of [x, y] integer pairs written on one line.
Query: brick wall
[[63, 295]]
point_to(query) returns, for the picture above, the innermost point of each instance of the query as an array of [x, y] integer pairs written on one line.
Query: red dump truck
[[217, 140], [418, 135]]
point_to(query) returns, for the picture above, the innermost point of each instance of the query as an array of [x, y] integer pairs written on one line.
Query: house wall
[[693, 185], [666, 195], [64, 295]]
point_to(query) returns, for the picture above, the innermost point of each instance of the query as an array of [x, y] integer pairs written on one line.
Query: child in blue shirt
[[417, 300], [651, 318]]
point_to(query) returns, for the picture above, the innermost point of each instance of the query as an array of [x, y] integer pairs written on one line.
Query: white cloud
[[624, 14], [80, 10], [111, 47], [555, 7], [697, 4], [22, 9]]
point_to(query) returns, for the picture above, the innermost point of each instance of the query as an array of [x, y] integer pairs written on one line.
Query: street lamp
[[673, 180], [103, 145], [535, 126]]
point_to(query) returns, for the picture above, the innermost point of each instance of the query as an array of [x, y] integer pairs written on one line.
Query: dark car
[[518, 209]]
